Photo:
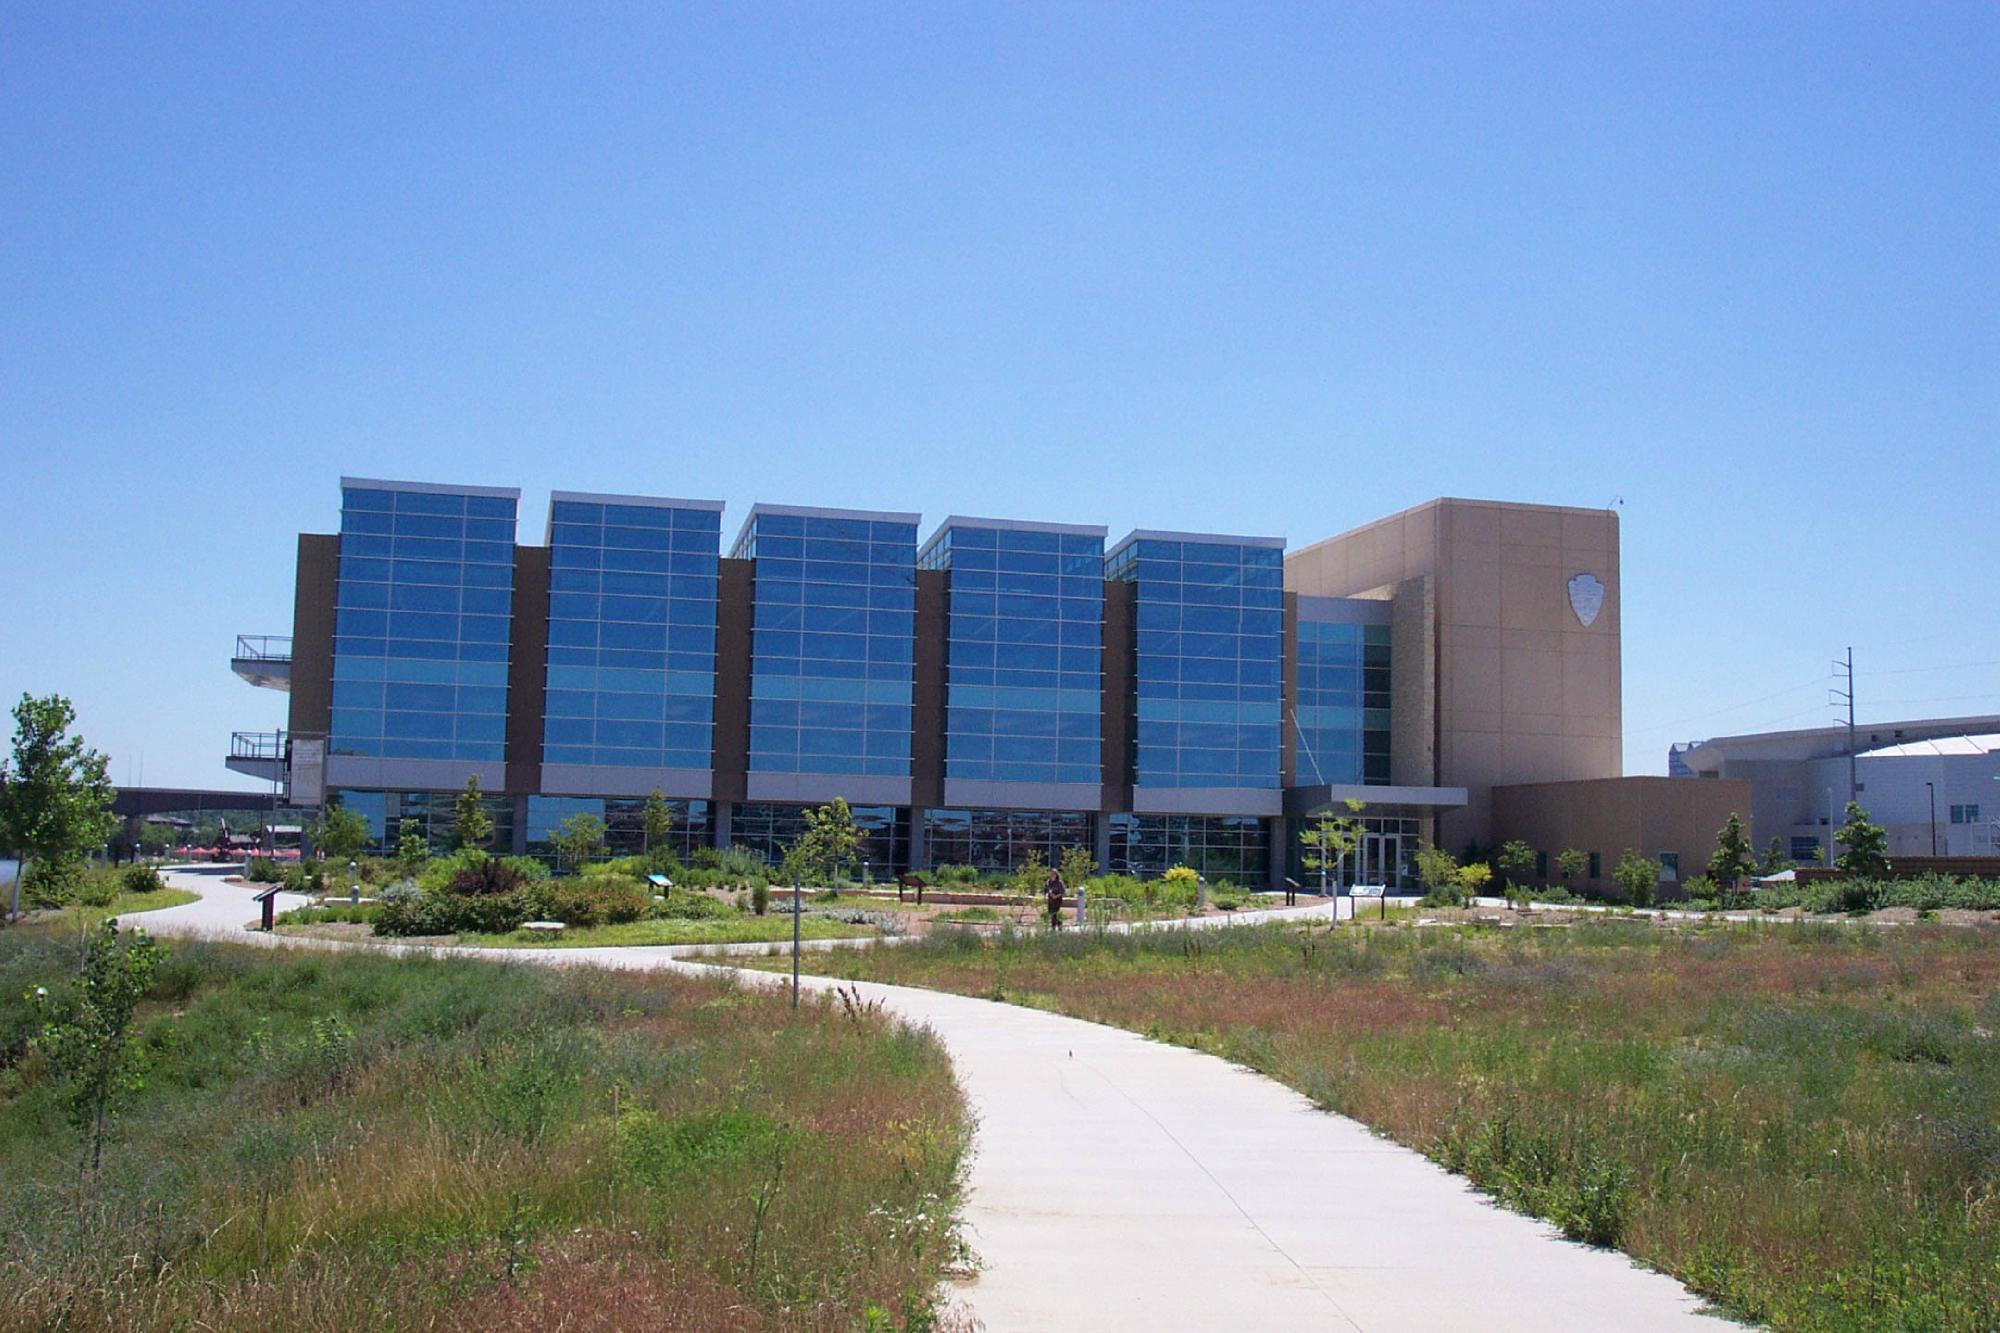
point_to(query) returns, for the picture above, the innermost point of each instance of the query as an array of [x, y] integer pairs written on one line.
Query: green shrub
[[485, 877], [591, 900], [760, 897], [141, 879], [263, 870], [950, 874], [442, 912], [690, 905], [98, 888], [1702, 893]]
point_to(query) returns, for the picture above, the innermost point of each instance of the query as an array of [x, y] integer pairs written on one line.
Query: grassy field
[[1801, 1122], [367, 1142]]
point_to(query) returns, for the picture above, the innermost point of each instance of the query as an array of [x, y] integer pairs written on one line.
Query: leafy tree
[[1329, 840], [830, 841], [1865, 844], [412, 847], [1734, 857], [1637, 874], [155, 839], [471, 826], [341, 834], [1517, 862], [578, 839], [55, 799], [85, 1033], [1078, 864], [1776, 858], [1437, 869], [1569, 862], [1473, 878], [657, 820], [1032, 873]]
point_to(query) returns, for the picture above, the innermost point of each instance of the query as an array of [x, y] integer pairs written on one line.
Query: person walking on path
[[1053, 891]]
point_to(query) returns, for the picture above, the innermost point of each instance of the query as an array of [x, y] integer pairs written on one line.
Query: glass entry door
[[1381, 859]]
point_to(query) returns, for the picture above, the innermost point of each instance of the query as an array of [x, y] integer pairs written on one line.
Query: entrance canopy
[[1304, 802]]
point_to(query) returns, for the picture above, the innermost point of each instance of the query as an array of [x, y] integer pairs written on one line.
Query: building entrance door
[[1381, 859]]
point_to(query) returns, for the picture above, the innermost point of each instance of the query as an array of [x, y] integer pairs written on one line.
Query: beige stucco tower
[[1504, 648]]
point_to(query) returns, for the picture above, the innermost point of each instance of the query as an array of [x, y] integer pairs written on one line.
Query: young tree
[[1328, 841], [1078, 864], [471, 826], [578, 839], [657, 820], [1776, 858], [829, 842], [1733, 857], [1637, 874], [1517, 862], [155, 839], [55, 799], [1570, 861], [341, 834], [412, 847], [1473, 878], [85, 1033], [1866, 844], [1438, 871]]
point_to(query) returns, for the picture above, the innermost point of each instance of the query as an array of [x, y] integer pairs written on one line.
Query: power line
[[1734, 708]]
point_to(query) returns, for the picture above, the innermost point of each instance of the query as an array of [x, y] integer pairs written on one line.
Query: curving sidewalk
[[1118, 1183]]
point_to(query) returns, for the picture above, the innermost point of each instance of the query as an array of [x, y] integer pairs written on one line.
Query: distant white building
[[1930, 783]]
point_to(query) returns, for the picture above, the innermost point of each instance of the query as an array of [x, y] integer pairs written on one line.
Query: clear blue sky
[[1244, 267]]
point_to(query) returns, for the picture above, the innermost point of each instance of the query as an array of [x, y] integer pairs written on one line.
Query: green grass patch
[[78, 917], [672, 930], [363, 1141], [1801, 1122]]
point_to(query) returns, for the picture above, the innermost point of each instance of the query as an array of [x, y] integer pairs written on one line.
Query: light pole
[[1931, 787]]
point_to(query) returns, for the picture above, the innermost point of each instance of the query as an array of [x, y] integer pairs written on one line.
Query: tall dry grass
[[1803, 1123], [360, 1142]]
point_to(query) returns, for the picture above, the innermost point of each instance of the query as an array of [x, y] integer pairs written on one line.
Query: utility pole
[[1847, 696]]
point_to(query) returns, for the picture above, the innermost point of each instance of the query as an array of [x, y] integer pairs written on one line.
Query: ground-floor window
[[1232, 847], [1003, 839], [768, 828], [624, 823], [1805, 849]]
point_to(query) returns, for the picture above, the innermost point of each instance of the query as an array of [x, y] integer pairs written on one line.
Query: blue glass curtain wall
[[1343, 703], [1024, 653], [631, 655], [1208, 662], [832, 642], [423, 620]]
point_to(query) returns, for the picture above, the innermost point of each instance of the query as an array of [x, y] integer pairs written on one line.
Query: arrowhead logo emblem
[[1586, 597]]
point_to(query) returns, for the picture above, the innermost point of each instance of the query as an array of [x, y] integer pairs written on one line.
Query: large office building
[[1932, 783], [985, 689]]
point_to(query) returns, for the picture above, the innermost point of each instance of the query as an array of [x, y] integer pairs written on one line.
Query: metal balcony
[[259, 754], [264, 660]]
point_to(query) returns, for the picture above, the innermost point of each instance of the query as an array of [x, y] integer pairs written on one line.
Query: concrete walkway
[[1121, 1184]]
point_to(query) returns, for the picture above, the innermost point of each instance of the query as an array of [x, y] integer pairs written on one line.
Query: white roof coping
[[814, 511], [431, 488], [637, 501], [1097, 530], [1937, 747], [1207, 538]]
